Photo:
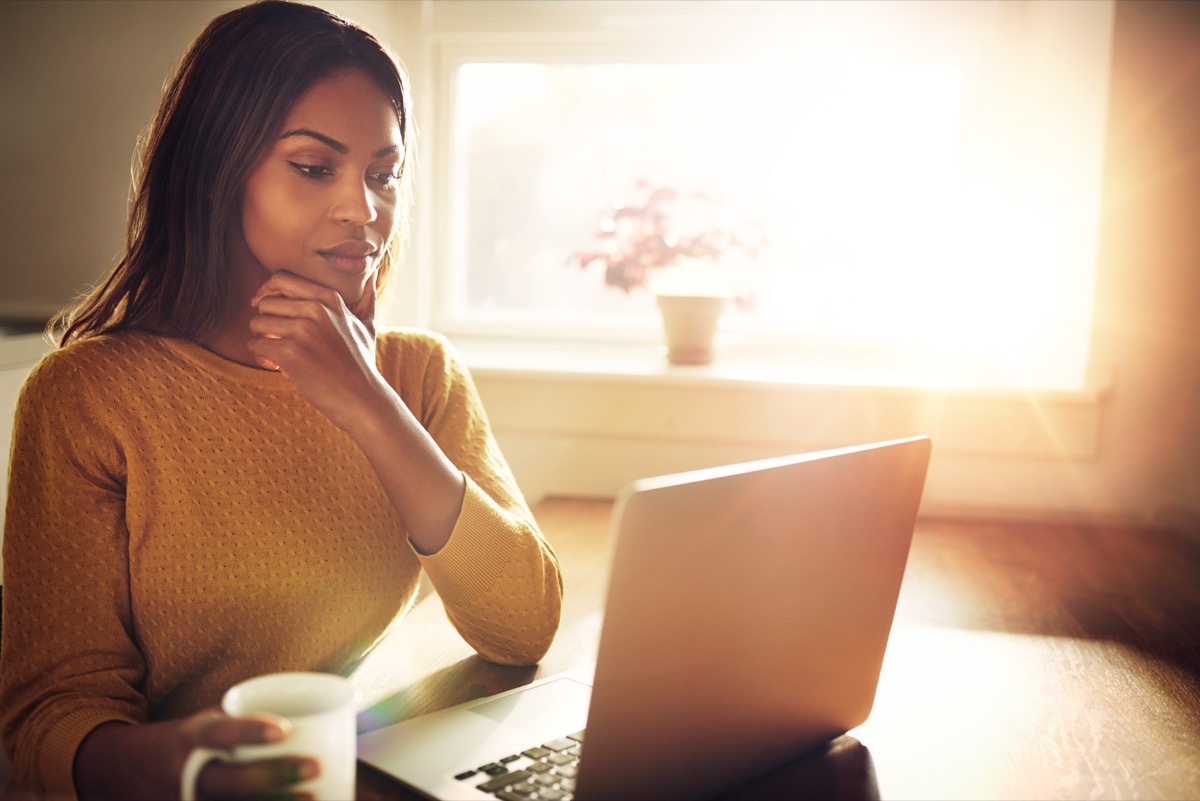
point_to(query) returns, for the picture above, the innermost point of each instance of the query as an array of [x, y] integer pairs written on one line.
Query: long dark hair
[[230, 93]]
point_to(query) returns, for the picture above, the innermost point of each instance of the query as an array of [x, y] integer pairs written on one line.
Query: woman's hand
[[272, 777], [118, 760], [306, 331]]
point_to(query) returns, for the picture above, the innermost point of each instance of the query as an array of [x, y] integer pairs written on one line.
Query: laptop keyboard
[[542, 773]]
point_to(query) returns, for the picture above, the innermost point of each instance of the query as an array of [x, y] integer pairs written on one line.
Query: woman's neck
[[229, 342], [229, 338]]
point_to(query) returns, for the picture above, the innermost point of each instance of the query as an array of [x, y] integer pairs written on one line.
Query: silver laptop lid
[[747, 615]]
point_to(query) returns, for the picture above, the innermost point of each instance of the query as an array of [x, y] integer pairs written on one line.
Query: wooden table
[[1027, 661]]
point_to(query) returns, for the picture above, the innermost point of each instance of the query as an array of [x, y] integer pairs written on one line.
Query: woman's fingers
[[215, 729], [273, 777], [282, 306], [290, 285], [286, 297], [278, 337], [284, 321], [266, 777], [306, 331]]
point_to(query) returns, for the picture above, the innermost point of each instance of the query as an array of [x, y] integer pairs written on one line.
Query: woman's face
[[322, 201]]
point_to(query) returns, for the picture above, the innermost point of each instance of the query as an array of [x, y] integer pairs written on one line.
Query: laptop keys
[[549, 774], [500, 782]]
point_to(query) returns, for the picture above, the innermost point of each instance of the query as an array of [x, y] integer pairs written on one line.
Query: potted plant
[[682, 246]]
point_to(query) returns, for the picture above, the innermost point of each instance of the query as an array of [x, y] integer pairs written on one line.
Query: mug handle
[[191, 769]]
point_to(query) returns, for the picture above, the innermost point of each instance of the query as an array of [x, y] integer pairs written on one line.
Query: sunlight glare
[[924, 195]]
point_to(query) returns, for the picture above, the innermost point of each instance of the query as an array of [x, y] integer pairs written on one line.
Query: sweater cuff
[[483, 542], [62, 744]]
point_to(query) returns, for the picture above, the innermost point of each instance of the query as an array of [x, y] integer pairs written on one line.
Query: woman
[[222, 471]]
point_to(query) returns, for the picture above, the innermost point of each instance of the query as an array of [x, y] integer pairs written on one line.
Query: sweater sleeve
[[497, 576], [68, 661]]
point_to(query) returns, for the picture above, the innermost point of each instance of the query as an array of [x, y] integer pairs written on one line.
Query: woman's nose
[[354, 204]]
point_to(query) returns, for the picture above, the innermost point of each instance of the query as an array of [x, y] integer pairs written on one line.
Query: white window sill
[[642, 364]]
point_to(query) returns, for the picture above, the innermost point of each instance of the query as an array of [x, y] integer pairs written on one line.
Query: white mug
[[321, 709]]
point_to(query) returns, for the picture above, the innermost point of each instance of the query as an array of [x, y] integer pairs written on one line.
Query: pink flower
[[659, 228]]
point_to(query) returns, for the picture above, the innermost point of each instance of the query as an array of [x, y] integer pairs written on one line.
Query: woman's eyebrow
[[320, 137], [335, 144]]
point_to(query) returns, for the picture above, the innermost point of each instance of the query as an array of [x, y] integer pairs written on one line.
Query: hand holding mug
[[319, 714]]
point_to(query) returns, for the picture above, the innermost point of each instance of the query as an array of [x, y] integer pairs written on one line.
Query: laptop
[[746, 616]]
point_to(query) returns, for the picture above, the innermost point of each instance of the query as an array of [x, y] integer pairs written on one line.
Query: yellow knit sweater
[[177, 522]]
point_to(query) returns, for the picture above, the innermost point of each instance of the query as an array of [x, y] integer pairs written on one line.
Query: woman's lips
[[352, 258]]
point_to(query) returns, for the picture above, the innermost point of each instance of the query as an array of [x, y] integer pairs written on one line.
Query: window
[[927, 175]]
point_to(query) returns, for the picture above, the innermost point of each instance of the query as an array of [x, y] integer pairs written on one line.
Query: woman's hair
[[226, 101]]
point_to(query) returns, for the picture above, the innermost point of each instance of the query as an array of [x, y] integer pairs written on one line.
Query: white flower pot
[[690, 326]]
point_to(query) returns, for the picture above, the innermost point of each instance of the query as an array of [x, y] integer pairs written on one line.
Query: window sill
[[646, 365]]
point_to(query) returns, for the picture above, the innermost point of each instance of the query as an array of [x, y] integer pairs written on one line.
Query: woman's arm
[[68, 661], [71, 707], [498, 577], [424, 432], [328, 351]]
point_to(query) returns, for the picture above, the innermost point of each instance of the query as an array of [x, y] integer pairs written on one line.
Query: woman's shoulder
[[406, 349], [413, 338], [104, 357]]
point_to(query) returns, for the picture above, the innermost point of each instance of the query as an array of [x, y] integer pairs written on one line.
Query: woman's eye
[[314, 171], [386, 178]]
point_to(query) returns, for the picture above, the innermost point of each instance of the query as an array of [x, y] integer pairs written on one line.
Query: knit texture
[[177, 522]]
